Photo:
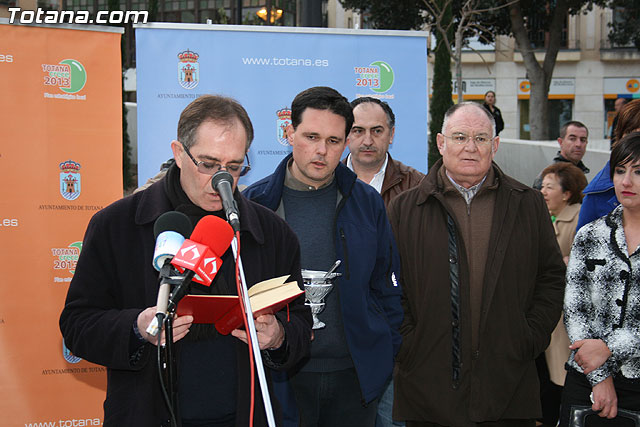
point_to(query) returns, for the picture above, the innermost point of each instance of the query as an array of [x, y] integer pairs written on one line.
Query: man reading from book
[[113, 292]]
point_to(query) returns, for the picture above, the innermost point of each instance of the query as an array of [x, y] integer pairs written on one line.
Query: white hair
[[457, 107]]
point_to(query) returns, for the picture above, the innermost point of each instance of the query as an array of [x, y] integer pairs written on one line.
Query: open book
[[224, 311]]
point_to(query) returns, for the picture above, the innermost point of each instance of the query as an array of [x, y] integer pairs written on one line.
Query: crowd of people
[[589, 369], [448, 308]]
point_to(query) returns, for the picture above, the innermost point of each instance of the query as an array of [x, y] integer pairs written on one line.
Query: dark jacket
[[537, 183], [398, 178], [114, 281], [521, 303], [497, 117], [600, 197], [369, 294]]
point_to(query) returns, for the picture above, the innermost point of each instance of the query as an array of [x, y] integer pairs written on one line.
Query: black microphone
[[170, 230], [222, 182]]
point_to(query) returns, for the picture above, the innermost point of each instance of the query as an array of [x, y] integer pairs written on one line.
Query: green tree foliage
[[520, 19], [441, 99], [625, 31], [390, 15], [153, 10], [127, 169]]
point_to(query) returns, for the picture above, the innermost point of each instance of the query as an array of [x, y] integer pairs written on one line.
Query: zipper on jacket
[[346, 253], [341, 202]]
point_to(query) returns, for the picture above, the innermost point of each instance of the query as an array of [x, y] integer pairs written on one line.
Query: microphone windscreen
[[172, 221], [214, 232], [220, 176]]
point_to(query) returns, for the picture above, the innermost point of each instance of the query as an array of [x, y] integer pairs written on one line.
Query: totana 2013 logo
[[69, 75], [377, 76]]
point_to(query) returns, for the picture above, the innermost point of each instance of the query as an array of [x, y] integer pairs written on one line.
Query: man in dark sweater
[[336, 216]]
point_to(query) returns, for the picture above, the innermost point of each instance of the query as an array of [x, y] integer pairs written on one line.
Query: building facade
[[589, 74]]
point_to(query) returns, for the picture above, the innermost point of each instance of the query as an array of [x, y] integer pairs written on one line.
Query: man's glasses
[[209, 168], [462, 138]]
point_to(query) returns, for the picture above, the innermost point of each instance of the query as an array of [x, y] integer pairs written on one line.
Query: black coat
[[497, 116], [115, 280]]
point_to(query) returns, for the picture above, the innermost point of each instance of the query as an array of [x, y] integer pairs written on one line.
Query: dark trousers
[[550, 394], [499, 423], [332, 399], [576, 393]]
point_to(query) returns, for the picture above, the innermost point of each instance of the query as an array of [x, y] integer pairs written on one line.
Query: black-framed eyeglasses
[[209, 168]]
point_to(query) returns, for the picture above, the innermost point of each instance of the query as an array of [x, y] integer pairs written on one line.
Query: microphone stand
[[168, 363], [253, 336], [170, 367]]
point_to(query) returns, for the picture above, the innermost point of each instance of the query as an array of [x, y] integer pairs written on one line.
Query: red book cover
[[224, 311]]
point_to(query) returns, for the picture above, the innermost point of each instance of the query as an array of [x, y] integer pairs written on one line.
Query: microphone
[[169, 230], [200, 255], [222, 182]]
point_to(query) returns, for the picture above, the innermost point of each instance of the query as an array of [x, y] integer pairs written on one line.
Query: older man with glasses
[[111, 297], [483, 284]]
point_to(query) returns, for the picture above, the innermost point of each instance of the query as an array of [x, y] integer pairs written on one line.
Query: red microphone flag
[[202, 252]]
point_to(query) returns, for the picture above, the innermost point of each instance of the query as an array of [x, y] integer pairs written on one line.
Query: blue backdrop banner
[[264, 68]]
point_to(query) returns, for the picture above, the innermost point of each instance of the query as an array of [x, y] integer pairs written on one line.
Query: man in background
[[573, 140], [617, 106], [371, 135]]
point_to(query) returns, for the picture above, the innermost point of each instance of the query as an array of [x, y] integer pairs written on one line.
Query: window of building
[[218, 11], [269, 12], [188, 11], [619, 22], [539, 34], [49, 4], [139, 5], [610, 114], [560, 112], [80, 5]]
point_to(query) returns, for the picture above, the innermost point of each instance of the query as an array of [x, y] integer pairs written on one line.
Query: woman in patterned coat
[[602, 299]]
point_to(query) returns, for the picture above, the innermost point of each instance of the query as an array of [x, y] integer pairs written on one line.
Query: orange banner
[[60, 162]]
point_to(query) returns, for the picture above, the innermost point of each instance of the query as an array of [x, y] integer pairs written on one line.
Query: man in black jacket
[[111, 298], [573, 140]]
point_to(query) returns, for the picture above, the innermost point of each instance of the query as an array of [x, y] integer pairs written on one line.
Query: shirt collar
[[467, 193], [378, 178]]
